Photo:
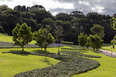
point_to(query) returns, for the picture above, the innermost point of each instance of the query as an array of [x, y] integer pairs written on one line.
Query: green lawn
[[109, 47], [11, 64], [7, 38], [107, 68]]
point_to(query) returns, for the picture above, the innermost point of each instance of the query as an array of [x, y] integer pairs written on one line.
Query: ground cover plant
[[75, 65], [106, 68]]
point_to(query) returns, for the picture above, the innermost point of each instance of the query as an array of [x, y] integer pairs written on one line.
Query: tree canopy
[[73, 24], [43, 38], [97, 29], [22, 35]]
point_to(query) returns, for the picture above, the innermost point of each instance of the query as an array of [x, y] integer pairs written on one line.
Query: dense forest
[[37, 16]]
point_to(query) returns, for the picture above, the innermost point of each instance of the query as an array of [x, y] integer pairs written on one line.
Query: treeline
[[37, 16]]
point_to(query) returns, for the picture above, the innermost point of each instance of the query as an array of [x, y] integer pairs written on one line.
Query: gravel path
[[108, 53]]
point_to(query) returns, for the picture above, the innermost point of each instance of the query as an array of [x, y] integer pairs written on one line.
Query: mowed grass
[[7, 38], [12, 64], [109, 47]]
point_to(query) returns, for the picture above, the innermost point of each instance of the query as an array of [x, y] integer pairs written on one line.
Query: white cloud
[[98, 9], [46, 3], [84, 2]]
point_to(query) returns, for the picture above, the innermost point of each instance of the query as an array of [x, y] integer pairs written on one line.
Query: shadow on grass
[[22, 53], [46, 60], [41, 51]]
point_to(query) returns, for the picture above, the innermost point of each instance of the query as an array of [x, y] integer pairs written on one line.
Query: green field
[[109, 47], [12, 64], [7, 38]]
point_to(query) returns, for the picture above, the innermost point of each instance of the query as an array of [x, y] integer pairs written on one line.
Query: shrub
[[68, 66]]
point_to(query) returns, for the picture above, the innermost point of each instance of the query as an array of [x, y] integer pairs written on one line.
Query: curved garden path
[[108, 53]]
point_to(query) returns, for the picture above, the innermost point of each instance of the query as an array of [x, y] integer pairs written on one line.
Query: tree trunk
[[58, 49], [45, 49], [22, 48], [58, 46]]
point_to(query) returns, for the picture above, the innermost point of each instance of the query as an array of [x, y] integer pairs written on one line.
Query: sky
[[106, 7]]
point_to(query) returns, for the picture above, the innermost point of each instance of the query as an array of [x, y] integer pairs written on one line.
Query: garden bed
[[68, 66]]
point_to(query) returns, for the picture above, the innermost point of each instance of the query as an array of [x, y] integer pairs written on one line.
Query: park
[[33, 43]]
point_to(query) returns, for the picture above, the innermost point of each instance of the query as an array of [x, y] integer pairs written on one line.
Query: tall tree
[[96, 42], [43, 38], [22, 35], [97, 29], [48, 21], [82, 39], [63, 17], [58, 32], [77, 14]]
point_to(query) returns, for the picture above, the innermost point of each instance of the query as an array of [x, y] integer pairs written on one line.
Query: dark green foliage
[[63, 17], [68, 66], [1, 29], [48, 21], [98, 30], [73, 24]]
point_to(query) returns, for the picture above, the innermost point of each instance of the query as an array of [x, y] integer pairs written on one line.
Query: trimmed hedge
[[77, 53], [72, 49], [68, 66]]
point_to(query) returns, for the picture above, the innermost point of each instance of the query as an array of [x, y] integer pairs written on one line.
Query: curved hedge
[[68, 66]]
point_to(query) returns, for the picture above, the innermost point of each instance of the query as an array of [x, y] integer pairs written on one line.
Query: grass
[[12, 64], [107, 68], [7, 38], [109, 47]]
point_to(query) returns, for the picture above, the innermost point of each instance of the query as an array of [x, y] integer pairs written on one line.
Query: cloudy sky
[[107, 7]]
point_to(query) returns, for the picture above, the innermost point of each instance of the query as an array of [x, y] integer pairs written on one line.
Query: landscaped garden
[[33, 62]]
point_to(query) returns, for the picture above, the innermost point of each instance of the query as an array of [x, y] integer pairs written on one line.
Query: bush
[[77, 53]]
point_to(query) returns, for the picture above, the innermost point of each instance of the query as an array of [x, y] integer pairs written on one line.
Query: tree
[[82, 39], [22, 35], [58, 32], [93, 16], [1, 29], [48, 21], [88, 44], [78, 14], [113, 23], [63, 17], [43, 38], [37, 7], [97, 29], [96, 42]]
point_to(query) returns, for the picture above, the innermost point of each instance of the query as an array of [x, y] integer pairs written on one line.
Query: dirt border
[[108, 53]]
